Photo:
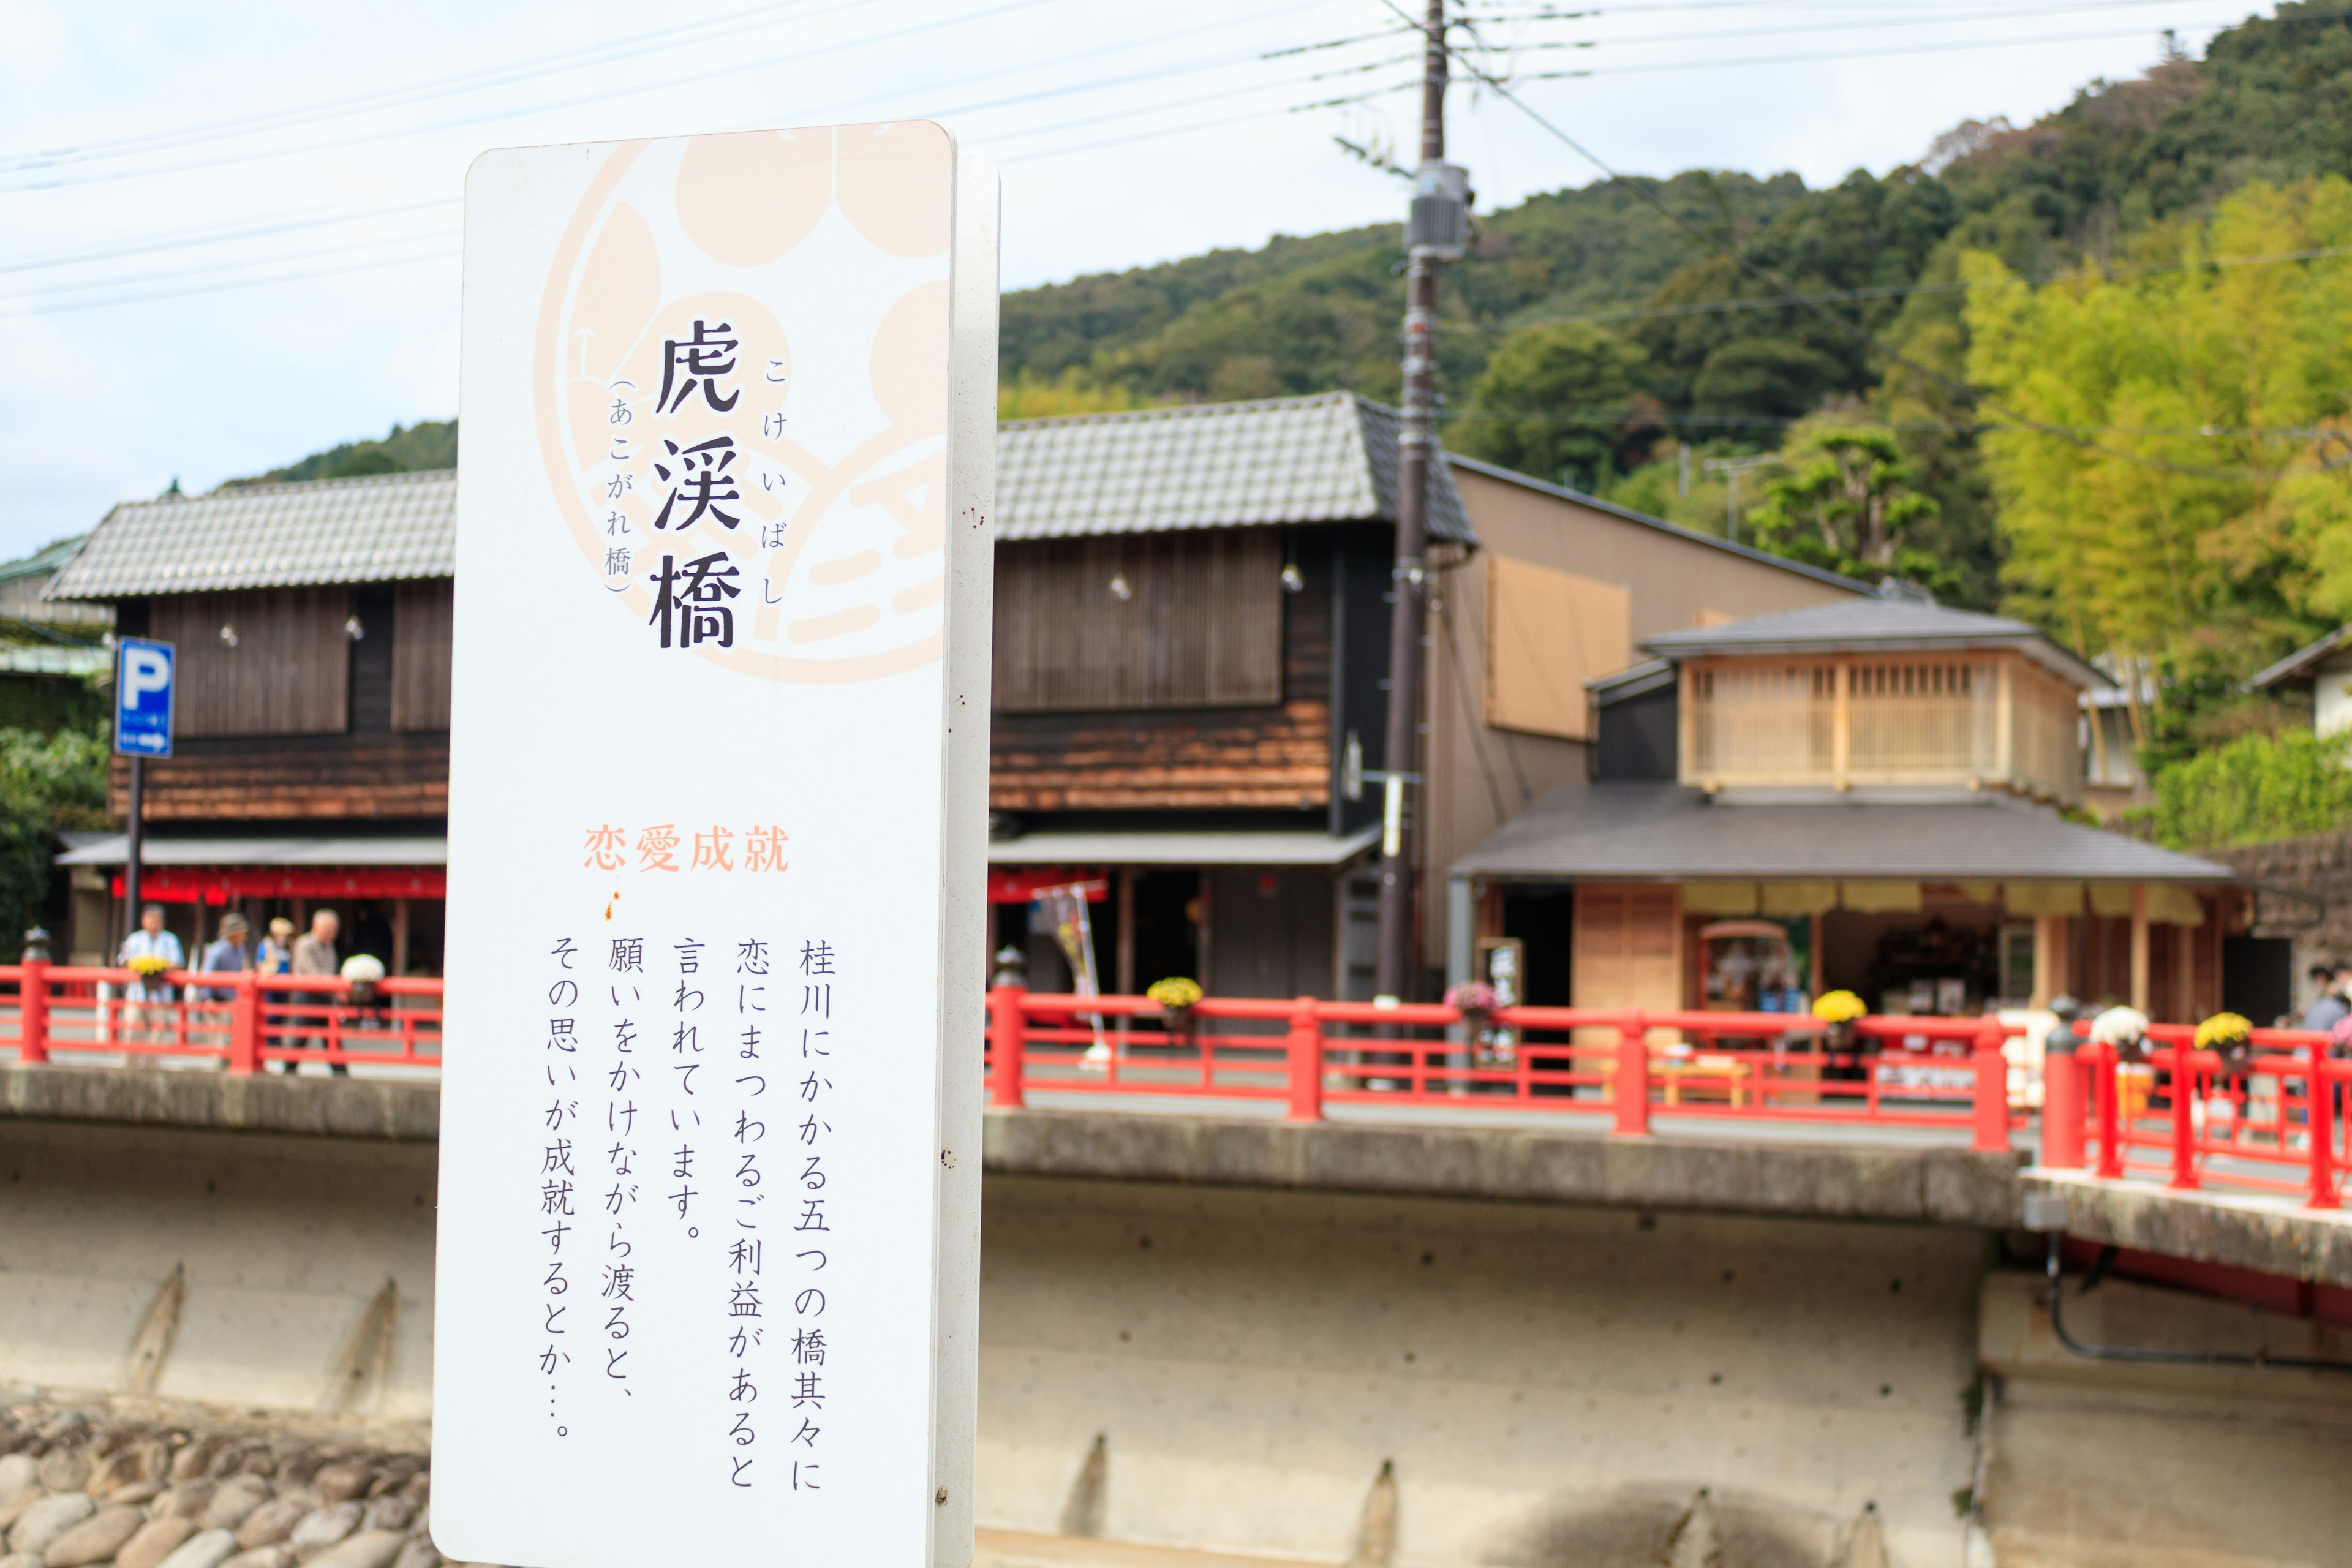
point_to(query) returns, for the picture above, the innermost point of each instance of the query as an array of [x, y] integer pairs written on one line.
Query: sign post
[[709, 1238], [142, 729]]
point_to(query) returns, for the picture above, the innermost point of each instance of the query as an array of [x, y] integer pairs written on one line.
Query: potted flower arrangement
[[1176, 996], [147, 965], [2230, 1037], [1474, 1000], [1839, 1010]]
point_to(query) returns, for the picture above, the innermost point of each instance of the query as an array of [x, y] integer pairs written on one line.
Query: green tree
[[1846, 503], [48, 783], [2254, 789], [2167, 504], [1555, 401]]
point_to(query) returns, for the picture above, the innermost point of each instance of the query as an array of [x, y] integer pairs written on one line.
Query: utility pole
[[1733, 468], [1436, 229]]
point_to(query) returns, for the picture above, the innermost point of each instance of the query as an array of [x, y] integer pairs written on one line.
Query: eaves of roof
[[2300, 662], [1666, 832]]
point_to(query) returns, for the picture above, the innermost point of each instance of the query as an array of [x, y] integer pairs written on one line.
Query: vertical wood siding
[[421, 616], [1201, 625], [289, 673]]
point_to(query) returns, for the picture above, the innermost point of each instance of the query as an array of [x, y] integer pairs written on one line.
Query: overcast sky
[[149, 330]]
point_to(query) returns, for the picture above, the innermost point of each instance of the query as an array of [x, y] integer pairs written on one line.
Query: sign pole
[[130, 848], [143, 688]]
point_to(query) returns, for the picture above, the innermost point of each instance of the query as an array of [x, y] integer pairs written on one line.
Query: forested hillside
[[2096, 371], [1588, 337]]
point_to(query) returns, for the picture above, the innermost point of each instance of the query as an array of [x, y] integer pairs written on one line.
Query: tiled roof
[[1331, 457], [1327, 458], [1663, 830], [1878, 623], [41, 565], [373, 530]]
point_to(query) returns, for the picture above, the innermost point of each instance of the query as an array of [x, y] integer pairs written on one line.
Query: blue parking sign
[[142, 698]]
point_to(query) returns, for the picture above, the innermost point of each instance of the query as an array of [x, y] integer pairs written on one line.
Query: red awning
[[1019, 884], [219, 884]]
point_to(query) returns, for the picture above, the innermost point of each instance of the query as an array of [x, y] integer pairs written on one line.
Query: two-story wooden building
[[1192, 646], [1870, 795], [312, 707]]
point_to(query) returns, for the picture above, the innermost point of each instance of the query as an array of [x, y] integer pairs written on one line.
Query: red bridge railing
[[244, 1021], [2271, 1120], [2276, 1121], [1617, 1064]]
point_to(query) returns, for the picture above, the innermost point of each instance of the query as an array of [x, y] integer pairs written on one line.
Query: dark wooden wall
[[1269, 755], [1198, 624], [298, 722], [422, 616], [286, 674], [291, 779]]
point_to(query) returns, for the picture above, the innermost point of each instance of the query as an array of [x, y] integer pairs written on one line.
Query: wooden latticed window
[[1952, 722], [1164, 620], [1768, 721], [1932, 718]]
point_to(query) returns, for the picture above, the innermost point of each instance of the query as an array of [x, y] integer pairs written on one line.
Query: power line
[[732, 68], [173, 273], [1866, 338], [228, 285], [221, 236], [681, 36]]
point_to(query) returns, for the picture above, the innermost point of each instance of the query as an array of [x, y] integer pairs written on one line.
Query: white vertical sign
[[710, 1125]]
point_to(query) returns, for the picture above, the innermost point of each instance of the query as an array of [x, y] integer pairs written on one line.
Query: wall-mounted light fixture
[[228, 635], [1292, 579], [353, 630], [1120, 589]]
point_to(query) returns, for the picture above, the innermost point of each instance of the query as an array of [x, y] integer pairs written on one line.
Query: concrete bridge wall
[[1257, 1367]]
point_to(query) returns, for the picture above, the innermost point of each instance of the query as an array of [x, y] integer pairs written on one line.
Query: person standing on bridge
[[314, 953], [147, 953], [2328, 1009], [227, 957]]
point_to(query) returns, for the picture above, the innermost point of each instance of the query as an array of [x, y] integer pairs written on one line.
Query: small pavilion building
[[1880, 795]]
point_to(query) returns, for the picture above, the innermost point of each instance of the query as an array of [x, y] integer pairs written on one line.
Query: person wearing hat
[[227, 955]]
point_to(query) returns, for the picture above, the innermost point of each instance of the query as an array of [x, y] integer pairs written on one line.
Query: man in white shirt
[[151, 940]]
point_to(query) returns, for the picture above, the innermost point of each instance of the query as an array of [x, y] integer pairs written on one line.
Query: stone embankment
[[82, 1486]]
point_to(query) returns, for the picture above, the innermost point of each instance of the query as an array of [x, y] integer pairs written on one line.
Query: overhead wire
[[487, 117], [682, 35], [260, 228], [1869, 341]]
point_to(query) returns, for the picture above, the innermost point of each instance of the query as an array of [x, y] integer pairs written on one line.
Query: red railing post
[[1990, 1133], [2062, 1100], [2108, 1087], [33, 1011], [2184, 1128], [1007, 1027], [1630, 1085], [244, 1025], [1304, 1046], [2320, 1121]]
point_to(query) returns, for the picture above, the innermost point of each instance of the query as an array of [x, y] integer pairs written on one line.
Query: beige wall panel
[[1673, 576], [1548, 633]]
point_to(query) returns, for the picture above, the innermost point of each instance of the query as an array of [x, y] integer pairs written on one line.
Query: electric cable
[[1868, 340], [371, 138], [681, 36]]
